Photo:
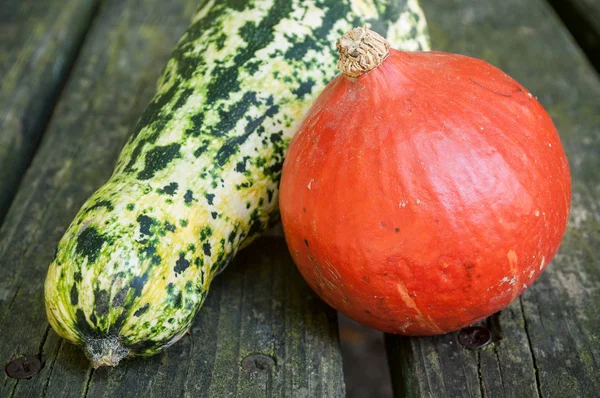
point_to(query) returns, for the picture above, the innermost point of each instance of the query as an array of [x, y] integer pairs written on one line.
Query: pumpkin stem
[[105, 351], [361, 50]]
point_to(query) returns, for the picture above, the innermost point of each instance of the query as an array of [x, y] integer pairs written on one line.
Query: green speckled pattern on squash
[[197, 180]]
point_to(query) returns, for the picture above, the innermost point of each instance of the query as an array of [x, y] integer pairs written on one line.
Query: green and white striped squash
[[197, 180]]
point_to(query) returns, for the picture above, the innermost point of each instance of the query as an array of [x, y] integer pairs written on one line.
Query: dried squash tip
[[361, 50], [106, 351]]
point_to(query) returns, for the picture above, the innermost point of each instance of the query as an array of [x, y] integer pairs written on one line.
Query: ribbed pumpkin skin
[[425, 195]]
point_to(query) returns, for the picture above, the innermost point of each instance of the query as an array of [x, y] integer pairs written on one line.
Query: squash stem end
[[108, 351]]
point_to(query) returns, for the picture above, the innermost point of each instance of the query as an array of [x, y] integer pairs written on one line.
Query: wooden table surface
[[76, 75]]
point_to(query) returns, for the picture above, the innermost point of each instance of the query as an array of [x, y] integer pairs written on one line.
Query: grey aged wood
[[38, 44], [262, 331], [550, 337], [110, 85], [582, 17]]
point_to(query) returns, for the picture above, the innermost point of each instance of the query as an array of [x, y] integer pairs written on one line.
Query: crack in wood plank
[[14, 389], [240, 333], [582, 18], [43, 340], [187, 370], [480, 374], [500, 368], [536, 368], [10, 304], [87, 384], [271, 315], [54, 358]]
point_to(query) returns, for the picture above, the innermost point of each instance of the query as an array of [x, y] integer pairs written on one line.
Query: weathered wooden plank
[[582, 17], [364, 359], [111, 83], [38, 44], [549, 339], [262, 331], [432, 366]]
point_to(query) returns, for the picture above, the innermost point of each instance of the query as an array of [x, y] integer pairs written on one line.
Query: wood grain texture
[[548, 341], [38, 44], [111, 83], [260, 306]]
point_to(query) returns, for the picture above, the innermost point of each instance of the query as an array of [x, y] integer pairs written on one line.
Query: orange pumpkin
[[424, 191]]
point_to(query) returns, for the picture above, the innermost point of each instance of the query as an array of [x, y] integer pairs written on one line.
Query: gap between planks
[[536, 369]]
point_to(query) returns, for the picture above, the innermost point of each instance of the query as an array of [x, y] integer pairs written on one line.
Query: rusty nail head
[[23, 367], [474, 337], [257, 363]]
